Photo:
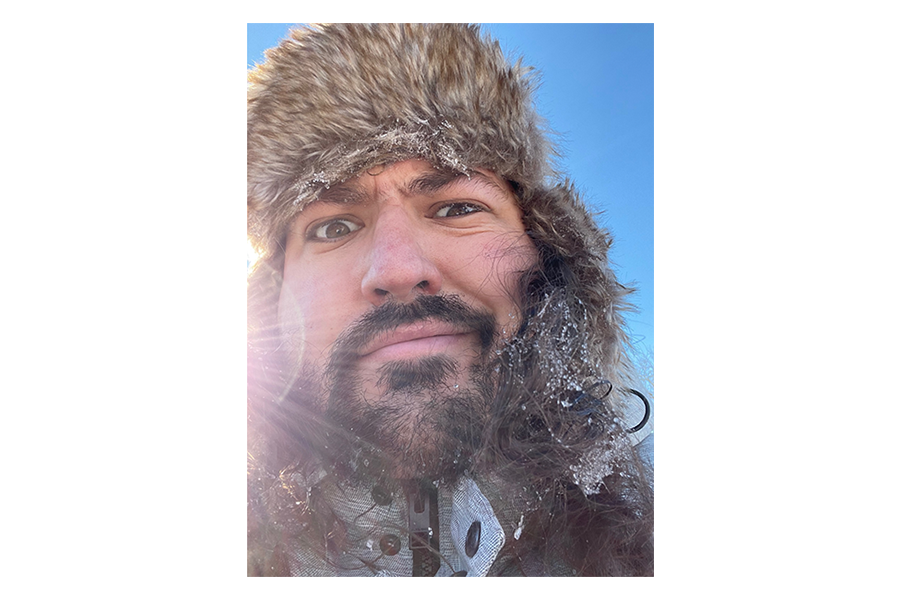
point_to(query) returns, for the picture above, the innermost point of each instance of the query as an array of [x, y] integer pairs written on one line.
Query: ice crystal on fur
[[598, 463], [421, 139]]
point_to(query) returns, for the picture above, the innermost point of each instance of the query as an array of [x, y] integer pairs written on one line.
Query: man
[[437, 376]]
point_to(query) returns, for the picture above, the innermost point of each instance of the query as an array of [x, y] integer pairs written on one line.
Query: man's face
[[398, 286]]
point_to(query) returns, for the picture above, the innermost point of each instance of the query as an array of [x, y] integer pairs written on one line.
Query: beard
[[424, 417]]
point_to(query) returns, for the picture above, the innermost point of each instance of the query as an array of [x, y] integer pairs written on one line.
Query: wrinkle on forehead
[[428, 183]]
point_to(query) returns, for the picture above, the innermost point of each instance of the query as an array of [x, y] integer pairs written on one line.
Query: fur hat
[[331, 101]]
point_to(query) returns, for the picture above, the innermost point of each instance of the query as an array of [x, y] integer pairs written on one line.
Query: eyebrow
[[431, 182], [344, 193], [434, 181]]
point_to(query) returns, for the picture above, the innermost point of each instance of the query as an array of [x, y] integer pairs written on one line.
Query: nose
[[399, 266]]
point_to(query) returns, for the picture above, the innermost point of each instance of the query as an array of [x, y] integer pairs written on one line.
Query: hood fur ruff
[[332, 101]]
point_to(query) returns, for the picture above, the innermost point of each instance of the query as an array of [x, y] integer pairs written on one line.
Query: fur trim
[[332, 101]]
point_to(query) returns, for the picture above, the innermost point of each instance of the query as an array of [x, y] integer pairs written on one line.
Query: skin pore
[[398, 286]]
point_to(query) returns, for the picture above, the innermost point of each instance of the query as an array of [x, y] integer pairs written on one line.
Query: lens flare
[[252, 256]]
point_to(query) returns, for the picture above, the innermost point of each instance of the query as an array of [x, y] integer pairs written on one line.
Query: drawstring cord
[[591, 402]]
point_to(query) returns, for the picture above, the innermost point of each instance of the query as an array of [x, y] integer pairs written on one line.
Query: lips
[[416, 339]]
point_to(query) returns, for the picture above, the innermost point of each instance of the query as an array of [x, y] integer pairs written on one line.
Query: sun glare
[[252, 256]]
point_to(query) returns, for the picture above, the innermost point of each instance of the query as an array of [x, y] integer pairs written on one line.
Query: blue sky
[[597, 94]]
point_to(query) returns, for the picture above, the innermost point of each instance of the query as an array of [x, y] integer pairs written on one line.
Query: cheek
[[521, 255], [491, 271], [505, 258], [291, 322], [311, 314], [513, 260]]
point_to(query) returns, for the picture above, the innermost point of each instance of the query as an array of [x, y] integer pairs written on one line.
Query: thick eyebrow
[[344, 193], [434, 181]]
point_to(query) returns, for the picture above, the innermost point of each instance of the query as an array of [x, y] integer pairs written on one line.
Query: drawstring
[[591, 402], [646, 418]]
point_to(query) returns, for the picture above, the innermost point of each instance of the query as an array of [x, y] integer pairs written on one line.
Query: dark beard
[[420, 425], [404, 435]]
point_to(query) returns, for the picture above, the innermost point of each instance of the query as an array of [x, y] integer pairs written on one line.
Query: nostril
[[422, 285]]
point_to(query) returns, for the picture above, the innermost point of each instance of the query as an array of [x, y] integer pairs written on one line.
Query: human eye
[[331, 230], [457, 209]]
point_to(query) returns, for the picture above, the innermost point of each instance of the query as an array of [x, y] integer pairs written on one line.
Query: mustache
[[387, 317]]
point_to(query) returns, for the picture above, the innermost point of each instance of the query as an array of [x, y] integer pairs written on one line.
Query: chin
[[417, 428]]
